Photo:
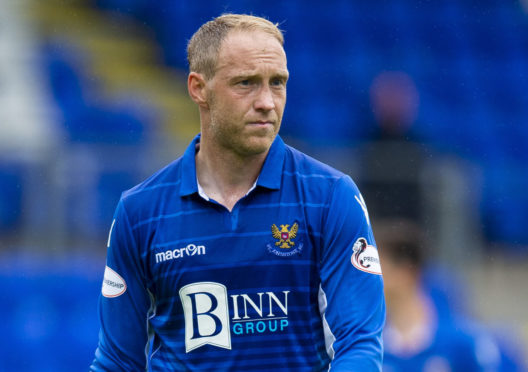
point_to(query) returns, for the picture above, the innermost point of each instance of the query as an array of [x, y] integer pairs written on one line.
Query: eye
[[277, 82], [245, 82]]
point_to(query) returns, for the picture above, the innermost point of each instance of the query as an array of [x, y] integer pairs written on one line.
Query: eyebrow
[[283, 75], [251, 75]]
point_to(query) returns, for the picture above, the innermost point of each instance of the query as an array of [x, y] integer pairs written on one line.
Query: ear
[[196, 85]]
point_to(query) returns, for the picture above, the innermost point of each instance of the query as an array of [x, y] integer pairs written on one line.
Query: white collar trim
[[202, 193]]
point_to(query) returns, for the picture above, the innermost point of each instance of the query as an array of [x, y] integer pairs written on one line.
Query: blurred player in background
[[418, 336], [392, 161], [244, 254]]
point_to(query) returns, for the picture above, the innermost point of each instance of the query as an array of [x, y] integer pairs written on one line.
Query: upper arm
[[124, 302], [351, 281]]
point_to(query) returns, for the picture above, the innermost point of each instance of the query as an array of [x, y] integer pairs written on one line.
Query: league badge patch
[[285, 244], [365, 257], [113, 284]]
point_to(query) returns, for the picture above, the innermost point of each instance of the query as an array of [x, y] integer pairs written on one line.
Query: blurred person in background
[[244, 254], [392, 161], [419, 336]]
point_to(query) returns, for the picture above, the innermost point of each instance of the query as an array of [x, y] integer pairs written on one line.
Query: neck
[[411, 320], [408, 311], [226, 176]]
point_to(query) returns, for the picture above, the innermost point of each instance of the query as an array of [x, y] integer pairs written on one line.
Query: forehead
[[250, 50]]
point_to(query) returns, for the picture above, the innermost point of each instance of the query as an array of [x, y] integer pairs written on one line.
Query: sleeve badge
[[365, 257]]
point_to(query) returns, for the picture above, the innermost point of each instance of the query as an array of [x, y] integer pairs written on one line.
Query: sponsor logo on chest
[[212, 317], [173, 254]]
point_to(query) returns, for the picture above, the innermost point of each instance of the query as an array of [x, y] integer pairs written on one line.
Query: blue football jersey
[[288, 280], [447, 345]]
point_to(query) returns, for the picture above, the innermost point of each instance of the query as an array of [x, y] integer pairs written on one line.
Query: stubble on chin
[[243, 142], [238, 138]]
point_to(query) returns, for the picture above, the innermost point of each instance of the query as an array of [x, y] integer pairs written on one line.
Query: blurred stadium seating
[[49, 313], [10, 197], [469, 60]]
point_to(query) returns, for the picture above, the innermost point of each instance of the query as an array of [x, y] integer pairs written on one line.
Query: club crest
[[284, 236], [285, 244]]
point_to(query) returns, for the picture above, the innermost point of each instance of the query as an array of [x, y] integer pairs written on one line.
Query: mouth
[[261, 123]]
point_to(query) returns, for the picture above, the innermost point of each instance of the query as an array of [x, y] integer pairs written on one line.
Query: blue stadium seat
[[87, 120], [49, 313], [11, 196]]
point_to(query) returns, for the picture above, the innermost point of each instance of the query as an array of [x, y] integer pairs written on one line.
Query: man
[[244, 254], [421, 335]]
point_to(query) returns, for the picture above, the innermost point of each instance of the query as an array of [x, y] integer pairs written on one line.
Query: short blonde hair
[[204, 46]]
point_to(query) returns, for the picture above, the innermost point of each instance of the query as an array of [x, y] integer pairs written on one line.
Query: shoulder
[[308, 170], [305, 166], [471, 343], [165, 181]]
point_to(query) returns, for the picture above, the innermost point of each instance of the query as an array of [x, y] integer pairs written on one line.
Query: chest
[[257, 245]]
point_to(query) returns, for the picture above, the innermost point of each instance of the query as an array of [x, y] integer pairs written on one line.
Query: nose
[[264, 100]]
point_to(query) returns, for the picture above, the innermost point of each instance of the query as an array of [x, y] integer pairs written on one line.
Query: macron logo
[[172, 254]]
